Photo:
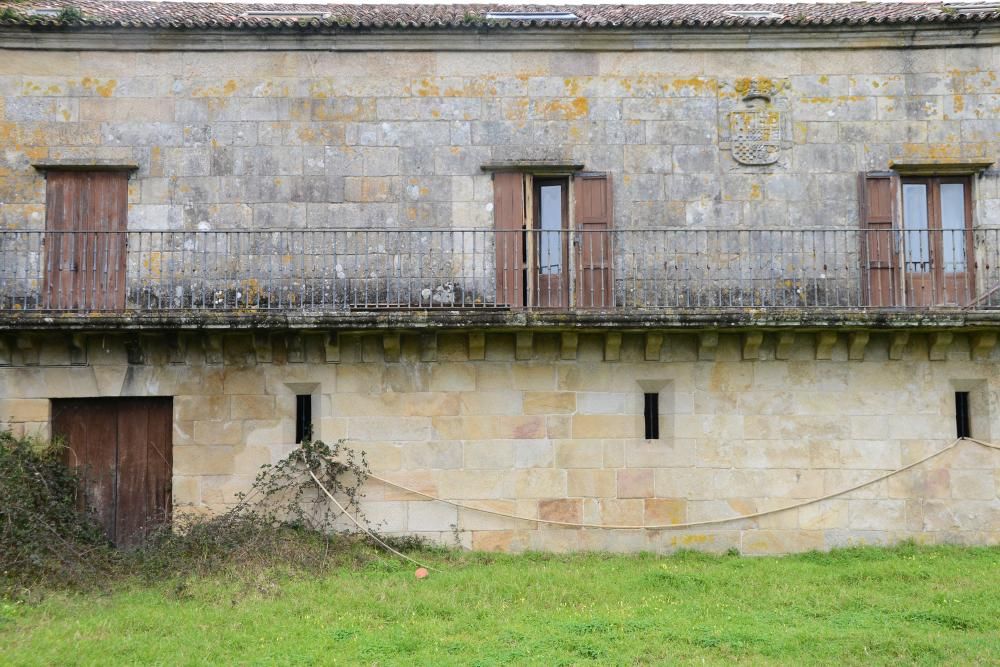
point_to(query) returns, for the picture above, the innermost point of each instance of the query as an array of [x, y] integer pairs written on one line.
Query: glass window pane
[[953, 226], [916, 238], [550, 244]]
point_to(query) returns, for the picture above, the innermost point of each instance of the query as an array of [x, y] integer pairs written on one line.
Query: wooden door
[[85, 223], [508, 212], [122, 448], [592, 240], [879, 241], [551, 250]]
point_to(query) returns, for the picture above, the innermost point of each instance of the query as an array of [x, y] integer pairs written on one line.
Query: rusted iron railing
[[623, 270]]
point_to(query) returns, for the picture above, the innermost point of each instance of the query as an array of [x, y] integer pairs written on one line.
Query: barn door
[[593, 240], [85, 224], [122, 448]]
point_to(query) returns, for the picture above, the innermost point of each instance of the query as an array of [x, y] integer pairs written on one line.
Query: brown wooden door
[[85, 223], [123, 450], [593, 219], [879, 241], [509, 216]]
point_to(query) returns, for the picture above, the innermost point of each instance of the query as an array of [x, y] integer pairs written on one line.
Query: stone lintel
[[939, 343], [751, 345], [612, 346], [857, 341], [568, 345], [825, 340]]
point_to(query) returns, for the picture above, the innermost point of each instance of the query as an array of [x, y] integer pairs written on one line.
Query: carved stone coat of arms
[[755, 127]]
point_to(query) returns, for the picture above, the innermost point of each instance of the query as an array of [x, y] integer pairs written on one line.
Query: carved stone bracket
[[825, 340], [429, 346], [524, 345], [331, 347], [6, 351], [30, 350], [134, 351], [295, 347], [857, 341], [783, 348], [176, 348], [477, 346], [262, 348], [654, 343], [213, 349], [568, 344], [940, 342], [391, 346], [751, 345], [612, 346], [897, 346], [78, 349], [983, 343], [708, 343]]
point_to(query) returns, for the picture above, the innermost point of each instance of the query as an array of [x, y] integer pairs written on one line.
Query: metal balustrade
[[325, 270]]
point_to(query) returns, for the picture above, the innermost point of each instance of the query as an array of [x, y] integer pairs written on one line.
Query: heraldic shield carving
[[755, 130]]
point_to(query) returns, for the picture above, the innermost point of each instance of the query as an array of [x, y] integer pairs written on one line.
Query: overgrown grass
[[909, 604]]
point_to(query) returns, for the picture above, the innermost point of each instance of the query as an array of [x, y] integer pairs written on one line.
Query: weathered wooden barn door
[[85, 223], [123, 450]]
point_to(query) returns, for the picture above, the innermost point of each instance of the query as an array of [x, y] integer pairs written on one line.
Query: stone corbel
[[857, 341], [708, 343], [983, 343], [654, 343], [612, 346], [134, 351], [295, 347], [176, 348], [390, 346], [213, 350], [940, 342], [477, 346], [331, 347], [6, 351], [30, 350], [825, 340], [524, 345], [567, 348], [429, 346], [783, 347], [751, 345], [262, 348], [897, 345], [78, 349]]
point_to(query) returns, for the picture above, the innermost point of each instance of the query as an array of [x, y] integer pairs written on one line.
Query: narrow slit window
[[963, 423], [303, 418], [651, 415]]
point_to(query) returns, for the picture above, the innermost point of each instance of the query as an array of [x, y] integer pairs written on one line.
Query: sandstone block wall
[[562, 438], [363, 139]]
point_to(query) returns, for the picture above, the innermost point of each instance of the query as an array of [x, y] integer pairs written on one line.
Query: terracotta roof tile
[[212, 15]]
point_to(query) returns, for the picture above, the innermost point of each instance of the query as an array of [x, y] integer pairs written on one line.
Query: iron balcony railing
[[326, 270]]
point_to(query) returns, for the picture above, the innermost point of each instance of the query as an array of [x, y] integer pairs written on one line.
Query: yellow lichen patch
[[695, 539], [744, 84], [572, 87], [106, 89], [517, 109], [153, 263], [562, 110], [931, 151], [756, 192], [229, 88], [958, 102], [306, 135], [697, 85], [824, 80], [425, 88]]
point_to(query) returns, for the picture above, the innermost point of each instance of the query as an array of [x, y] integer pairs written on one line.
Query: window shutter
[[508, 216], [879, 248], [593, 216]]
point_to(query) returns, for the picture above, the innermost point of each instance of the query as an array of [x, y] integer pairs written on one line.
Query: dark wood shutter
[[85, 220], [879, 249], [593, 221], [508, 216], [122, 448]]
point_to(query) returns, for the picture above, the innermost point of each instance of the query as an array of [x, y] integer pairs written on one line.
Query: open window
[[917, 245], [553, 240]]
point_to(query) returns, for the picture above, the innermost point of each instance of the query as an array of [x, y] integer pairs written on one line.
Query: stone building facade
[[478, 244]]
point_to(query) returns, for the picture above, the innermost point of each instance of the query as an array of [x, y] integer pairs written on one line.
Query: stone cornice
[[539, 39]]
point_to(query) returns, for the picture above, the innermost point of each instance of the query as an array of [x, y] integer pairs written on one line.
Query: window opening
[[651, 415], [963, 423], [303, 418]]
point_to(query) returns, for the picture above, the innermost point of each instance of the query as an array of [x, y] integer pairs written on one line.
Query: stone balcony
[[442, 278]]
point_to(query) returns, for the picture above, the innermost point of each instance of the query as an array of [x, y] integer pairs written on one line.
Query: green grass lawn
[[862, 606]]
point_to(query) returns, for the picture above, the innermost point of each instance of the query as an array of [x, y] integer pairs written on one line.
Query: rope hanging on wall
[[688, 524]]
